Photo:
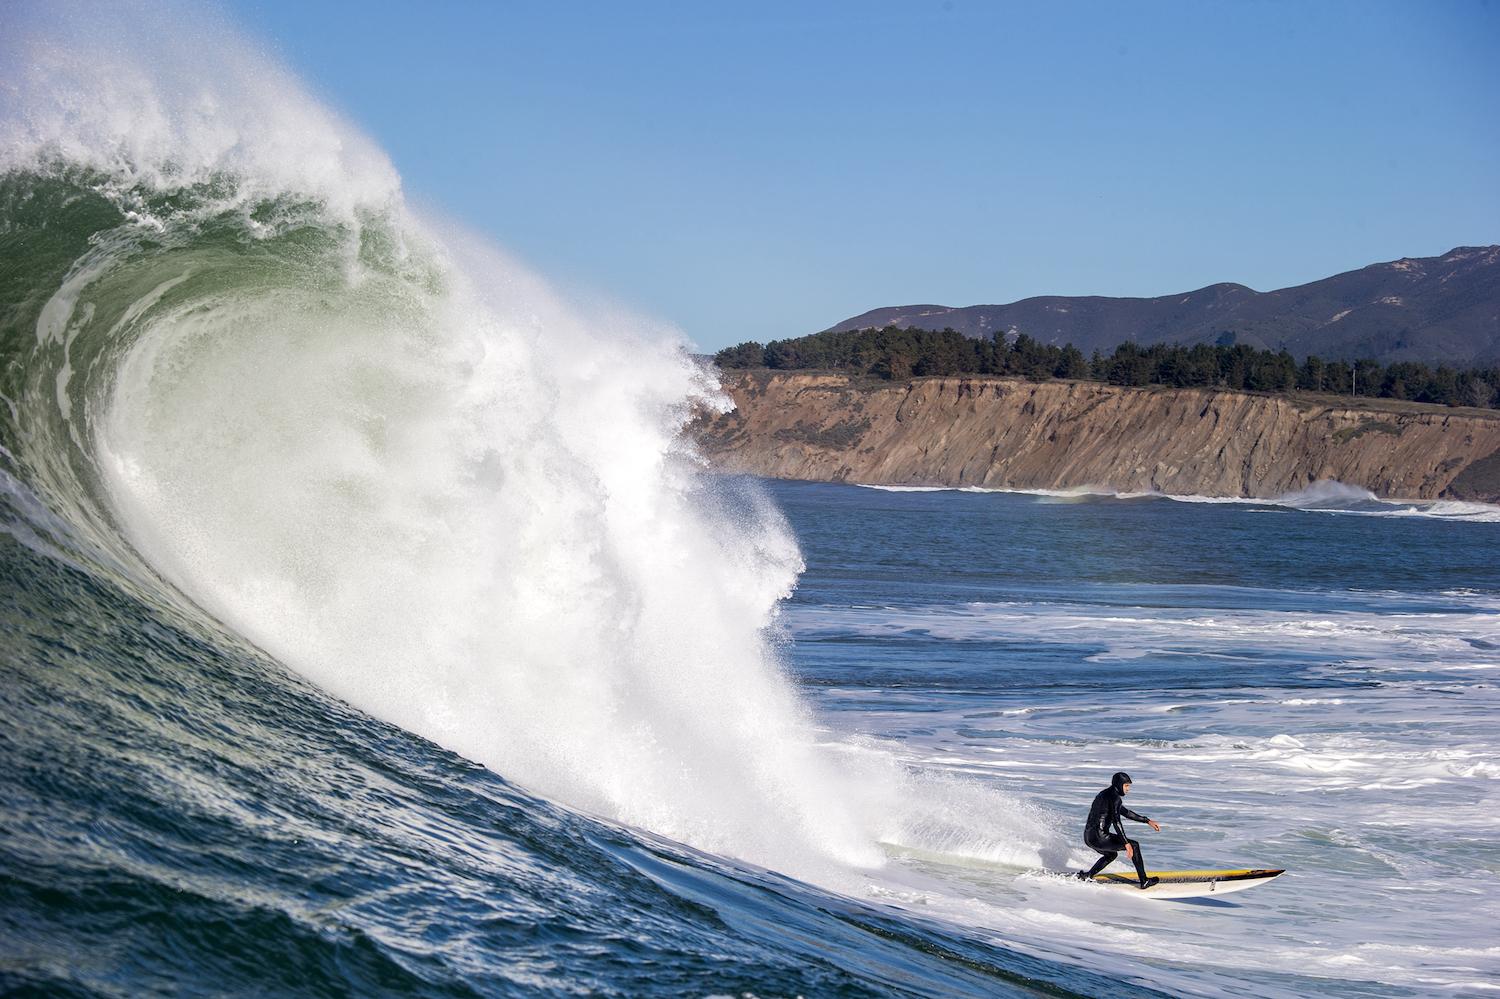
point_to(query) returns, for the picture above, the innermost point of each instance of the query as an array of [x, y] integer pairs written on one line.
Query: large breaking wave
[[257, 384]]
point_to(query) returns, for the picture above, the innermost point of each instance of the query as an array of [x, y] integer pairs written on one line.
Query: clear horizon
[[768, 171]]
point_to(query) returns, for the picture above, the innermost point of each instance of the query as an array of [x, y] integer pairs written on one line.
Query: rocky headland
[[1010, 433]]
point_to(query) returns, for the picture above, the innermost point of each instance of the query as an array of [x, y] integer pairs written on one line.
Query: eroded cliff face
[[1005, 433]]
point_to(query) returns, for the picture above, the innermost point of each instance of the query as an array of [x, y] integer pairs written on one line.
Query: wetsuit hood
[[1119, 780]]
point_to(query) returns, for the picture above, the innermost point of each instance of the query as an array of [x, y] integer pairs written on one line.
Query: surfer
[[1106, 834]]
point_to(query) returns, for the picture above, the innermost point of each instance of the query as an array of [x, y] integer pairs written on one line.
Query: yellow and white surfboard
[[1191, 884]]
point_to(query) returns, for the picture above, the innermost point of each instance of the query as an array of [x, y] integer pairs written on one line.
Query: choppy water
[[369, 628], [1309, 689]]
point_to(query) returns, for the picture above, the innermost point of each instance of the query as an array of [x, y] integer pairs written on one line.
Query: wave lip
[[158, 98]]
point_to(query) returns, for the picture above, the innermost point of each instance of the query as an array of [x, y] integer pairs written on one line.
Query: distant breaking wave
[[1326, 496]]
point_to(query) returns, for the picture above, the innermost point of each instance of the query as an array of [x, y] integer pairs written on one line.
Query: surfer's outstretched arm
[[1139, 818]]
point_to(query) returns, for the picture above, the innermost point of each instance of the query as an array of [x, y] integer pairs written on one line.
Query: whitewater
[[1326, 496], [371, 626]]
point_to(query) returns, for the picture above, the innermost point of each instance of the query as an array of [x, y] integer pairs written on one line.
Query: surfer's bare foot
[[1148, 883]]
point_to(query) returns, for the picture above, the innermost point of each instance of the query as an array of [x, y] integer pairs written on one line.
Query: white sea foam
[[1325, 496], [1445, 639], [1375, 792]]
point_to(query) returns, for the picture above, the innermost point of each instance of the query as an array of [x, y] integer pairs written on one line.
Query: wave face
[[392, 461], [261, 416]]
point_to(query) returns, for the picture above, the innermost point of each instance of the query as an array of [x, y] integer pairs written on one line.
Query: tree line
[[898, 354]]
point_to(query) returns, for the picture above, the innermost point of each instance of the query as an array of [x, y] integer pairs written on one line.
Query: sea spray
[[389, 456]]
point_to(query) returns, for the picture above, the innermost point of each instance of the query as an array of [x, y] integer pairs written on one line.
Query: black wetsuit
[[1105, 833]]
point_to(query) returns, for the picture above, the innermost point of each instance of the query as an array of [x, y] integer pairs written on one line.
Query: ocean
[[1306, 685], [371, 627]]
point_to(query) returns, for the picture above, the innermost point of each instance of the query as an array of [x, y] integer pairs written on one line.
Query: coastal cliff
[[1010, 433]]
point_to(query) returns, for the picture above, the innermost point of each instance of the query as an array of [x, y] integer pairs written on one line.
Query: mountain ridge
[[1436, 310]]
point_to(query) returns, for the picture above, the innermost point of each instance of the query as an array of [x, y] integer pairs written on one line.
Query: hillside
[[1011, 433], [1436, 310]]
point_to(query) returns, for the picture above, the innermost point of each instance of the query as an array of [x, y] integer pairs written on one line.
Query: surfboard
[[1173, 884], [1190, 884]]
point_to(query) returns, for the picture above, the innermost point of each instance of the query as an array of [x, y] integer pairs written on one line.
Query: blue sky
[[762, 170]]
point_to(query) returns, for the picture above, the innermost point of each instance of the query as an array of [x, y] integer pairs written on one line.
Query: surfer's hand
[[1129, 851], [1156, 826]]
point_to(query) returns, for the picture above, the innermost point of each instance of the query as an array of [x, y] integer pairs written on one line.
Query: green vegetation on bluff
[[897, 354]]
